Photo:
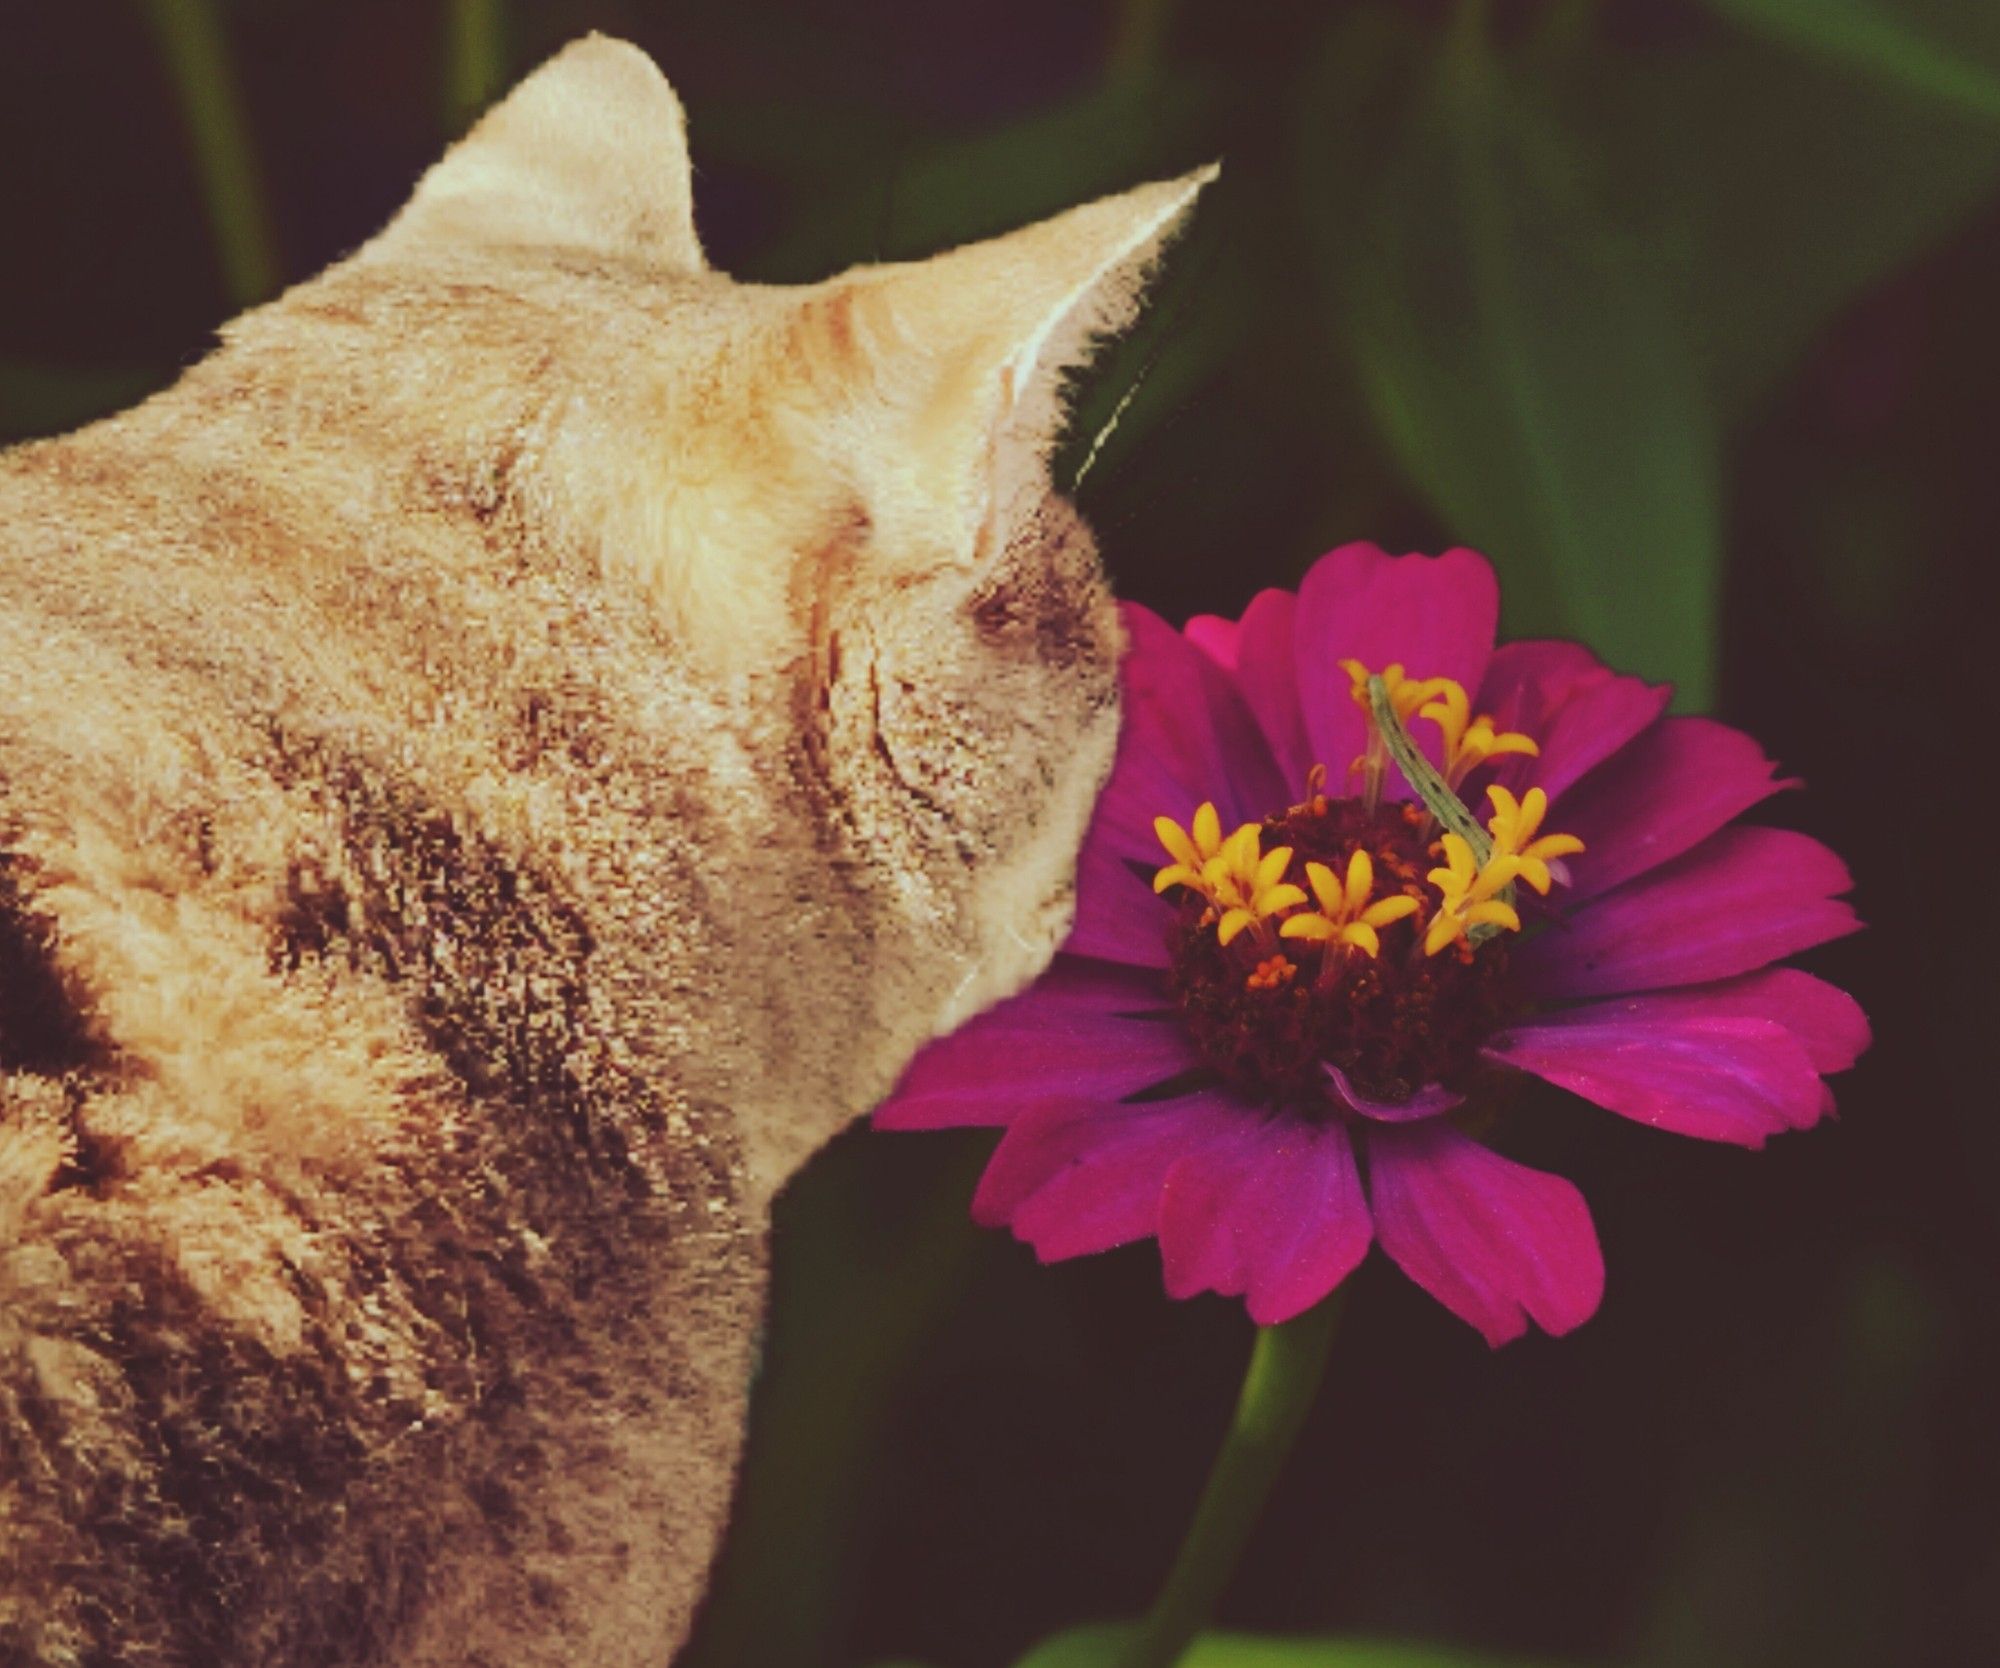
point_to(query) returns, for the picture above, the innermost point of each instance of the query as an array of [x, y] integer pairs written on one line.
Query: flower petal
[[1828, 1023], [1216, 637], [1071, 1177], [1578, 712], [1528, 679], [1276, 1215], [1824, 1020], [1672, 788], [1267, 672], [1494, 1241], [1719, 1077], [1187, 738], [1186, 713], [1743, 898], [1064, 1038], [1119, 918], [1435, 615], [1431, 1101]]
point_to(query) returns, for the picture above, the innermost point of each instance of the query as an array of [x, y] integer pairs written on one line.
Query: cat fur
[[497, 764]]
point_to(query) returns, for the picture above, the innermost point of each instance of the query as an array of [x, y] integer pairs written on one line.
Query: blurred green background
[[1682, 311]]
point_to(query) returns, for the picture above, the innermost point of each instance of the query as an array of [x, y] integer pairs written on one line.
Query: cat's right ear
[[589, 153], [947, 377]]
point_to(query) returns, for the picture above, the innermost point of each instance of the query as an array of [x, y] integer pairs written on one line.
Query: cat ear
[[588, 153], [949, 373]]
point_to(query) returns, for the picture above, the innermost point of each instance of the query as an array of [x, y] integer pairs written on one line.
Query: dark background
[[1683, 312]]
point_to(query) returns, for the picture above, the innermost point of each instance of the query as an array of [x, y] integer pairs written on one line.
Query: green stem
[[191, 39], [1283, 1377], [475, 59]]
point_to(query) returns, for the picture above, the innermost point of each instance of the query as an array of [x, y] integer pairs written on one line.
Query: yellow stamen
[[1514, 824], [1405, 696], [1241, 881], [1190, 848], [1468, 893], [1468, 741], [1345, 916]]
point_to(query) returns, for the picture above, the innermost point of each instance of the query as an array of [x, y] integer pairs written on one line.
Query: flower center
[[1268, 1019], [1382, 981]]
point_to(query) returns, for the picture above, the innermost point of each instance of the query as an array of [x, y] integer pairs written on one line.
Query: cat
[[497, 765]]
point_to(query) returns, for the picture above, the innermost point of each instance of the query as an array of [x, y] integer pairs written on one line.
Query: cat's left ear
[[589, 154], [949, 373]]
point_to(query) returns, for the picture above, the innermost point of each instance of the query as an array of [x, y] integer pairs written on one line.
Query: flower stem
[[1284, 1374]]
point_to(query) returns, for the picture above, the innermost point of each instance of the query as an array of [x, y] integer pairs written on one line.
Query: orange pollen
[[1272, 973]]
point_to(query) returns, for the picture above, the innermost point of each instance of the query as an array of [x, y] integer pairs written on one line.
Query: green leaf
[[1946, 50], [1098, 1647], [1773, 189], [1531, 375], [924, 194], [475, 60], [199, 64], [871, 1246]]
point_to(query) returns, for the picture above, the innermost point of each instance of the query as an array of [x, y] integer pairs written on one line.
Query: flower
[[1522, 869]]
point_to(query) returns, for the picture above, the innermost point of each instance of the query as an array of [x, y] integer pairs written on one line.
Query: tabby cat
[[498, 764]]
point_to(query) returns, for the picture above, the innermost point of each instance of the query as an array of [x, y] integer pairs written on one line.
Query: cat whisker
[[962, 986]]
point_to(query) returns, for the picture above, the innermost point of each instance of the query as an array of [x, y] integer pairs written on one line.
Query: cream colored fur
[[496, 766]]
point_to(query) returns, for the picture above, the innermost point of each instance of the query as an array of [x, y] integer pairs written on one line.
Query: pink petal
[[1184, 715], [1215, 637], [1493, 1241], [1577, 711], [1435, 615], [1277, 1215], [1118, 916], [1431, 1101], [1672, 788], [1528, 679], [1825, 1021], [1146, 781], [1828, 1023], [1267, 671], [1076, 1176], [1065, 1038], [1742, 899], [1662, 1062], [1187, 737]]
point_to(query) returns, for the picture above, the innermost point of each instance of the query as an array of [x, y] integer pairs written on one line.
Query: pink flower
[[1274, 1051]]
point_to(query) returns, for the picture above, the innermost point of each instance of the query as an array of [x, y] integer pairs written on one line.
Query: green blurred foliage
[[195, 53], [1943, 49], [1681, 309], [1523, 358], [1099, 1648], [475, 58]]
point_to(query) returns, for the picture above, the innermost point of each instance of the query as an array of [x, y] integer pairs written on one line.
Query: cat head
[[835, 497], [901, 413]]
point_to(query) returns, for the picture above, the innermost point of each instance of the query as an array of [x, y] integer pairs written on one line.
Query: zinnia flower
[[1355, 873]]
